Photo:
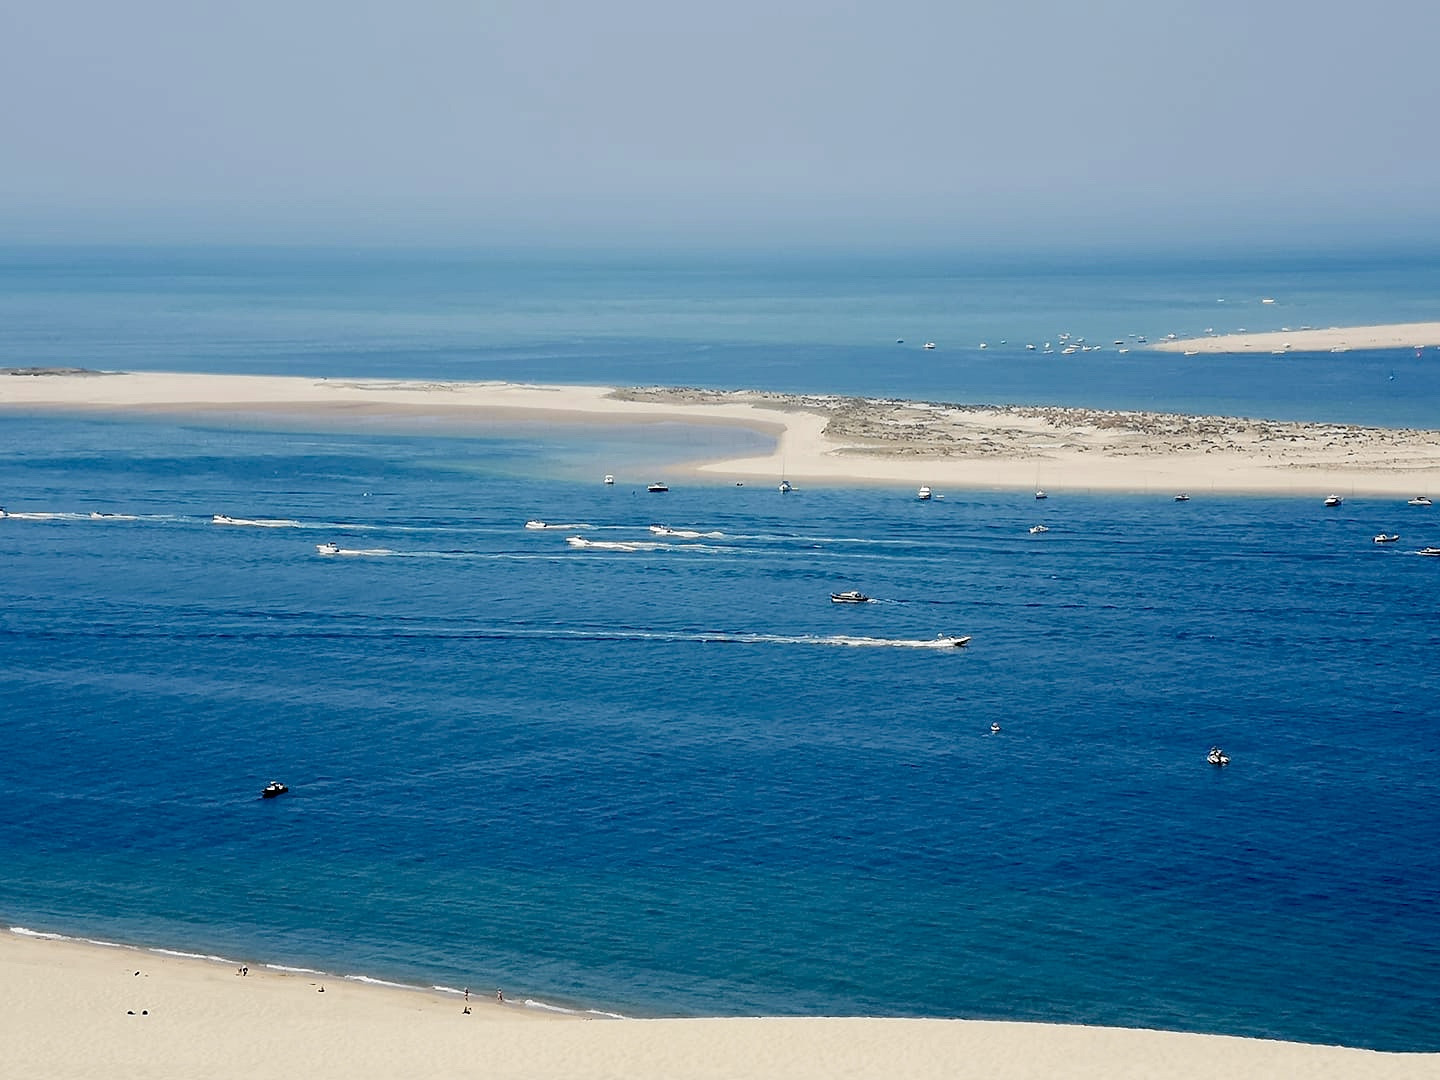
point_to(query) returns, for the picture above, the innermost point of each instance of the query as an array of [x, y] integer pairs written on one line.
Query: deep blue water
[[671, 777]]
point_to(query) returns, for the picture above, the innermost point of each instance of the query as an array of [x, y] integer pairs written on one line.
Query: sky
[[737, 122]]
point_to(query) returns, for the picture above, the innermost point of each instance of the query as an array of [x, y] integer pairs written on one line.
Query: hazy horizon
[[647, 125]]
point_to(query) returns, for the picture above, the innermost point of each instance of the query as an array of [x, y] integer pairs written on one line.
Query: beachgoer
[[467, 993], [499, 995], [467, 1010]]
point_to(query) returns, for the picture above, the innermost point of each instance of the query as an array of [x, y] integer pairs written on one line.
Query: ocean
[[662, 774]]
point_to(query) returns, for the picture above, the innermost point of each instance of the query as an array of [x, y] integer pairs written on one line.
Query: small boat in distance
[[222, 519], [327, 548], [1040, 494], [1419, 500], [923, 494], [929, 345], [994, 727], [1429, 551], [1182, 497], [657, 488], [535, 523], [272, 789], [1216, 756], [958, 642], [1333, 500], [1035, 529], [850, 596], [609, 479], [1387, 538], [786, 487]]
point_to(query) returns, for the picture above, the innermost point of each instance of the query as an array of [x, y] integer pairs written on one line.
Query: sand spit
[[1309, 339], [821, 438]]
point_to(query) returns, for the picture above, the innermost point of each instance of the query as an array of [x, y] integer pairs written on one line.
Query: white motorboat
[[1040, 494], [657, 488], [929, 345], [1182, 497], [994, 727], [1035, 529], [577, 541], [850, 596], [1419, 500], [958, 642], [222, 519], [1387, 538], [1429, 551], [329, 548], [1333, 500], [535, 523], [786, 487], [609, 479], [923, 494], [1216, 756]]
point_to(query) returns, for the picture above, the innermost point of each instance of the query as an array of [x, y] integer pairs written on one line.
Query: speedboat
[[929, 345], [923, 493], [850, 596], [609, 479], [1041, 495], [535, 523], [222, 519], [1182, 497], [1430, 551], [272, 789], [995, 727], [328, 548], [1216, 756], [1419, 500], [958, 642], [1333, 500], [577, 541], [662, 530], [1039, 529], [657, 488], [786, 486], [1387, 538]]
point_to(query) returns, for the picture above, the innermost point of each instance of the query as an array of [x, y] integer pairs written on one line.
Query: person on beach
[[500, 996]]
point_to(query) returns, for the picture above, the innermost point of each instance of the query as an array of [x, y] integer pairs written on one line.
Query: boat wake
[[686, 534], [261, 523], [537, 525]]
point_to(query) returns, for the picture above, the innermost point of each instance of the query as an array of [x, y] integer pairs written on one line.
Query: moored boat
[[1333, 500], [1216, 756], [1419, 500], [1387, 538], [609, 479], [786, 487], [923, 494], [657, 488], [272, 789], [1182, 497]]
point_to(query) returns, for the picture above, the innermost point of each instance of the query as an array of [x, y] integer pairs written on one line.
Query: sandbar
[[1310, 339], [824, 439], [79, 1010]]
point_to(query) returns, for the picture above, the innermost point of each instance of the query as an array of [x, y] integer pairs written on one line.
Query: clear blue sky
[[741, 121]]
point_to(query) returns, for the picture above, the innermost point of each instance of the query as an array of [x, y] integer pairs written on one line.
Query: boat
[[1034, 529], [1387, 538], [1429, 551], [1216, 756], [958, 642], [609, 479], [1419, 500], [577, 541], [656, 489], [923, 493], [536, 523], [222, 519], [1333, 500], [1267, 300], [272, 789], [850, 596], [328, 548], [786, 487], [1182, 497], [1041, 495], [929, 345]]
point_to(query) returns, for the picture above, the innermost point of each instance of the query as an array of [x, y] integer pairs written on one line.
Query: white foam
[[26, 932], [292, 970], [261, 523], [193, 956], [371, 981]]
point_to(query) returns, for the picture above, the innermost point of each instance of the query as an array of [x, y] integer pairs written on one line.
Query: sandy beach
[[823, 439], [1311, 339], [79, 1010]]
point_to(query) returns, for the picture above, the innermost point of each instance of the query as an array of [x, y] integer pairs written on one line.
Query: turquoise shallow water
[[668, 775]]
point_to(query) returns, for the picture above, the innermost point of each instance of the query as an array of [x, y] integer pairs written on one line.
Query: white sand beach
[[1310, 339], [76, 1010], [823, 439]]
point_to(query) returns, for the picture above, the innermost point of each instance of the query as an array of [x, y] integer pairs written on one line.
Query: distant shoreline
[[823, 439], [1309, 339], [82, 1009]]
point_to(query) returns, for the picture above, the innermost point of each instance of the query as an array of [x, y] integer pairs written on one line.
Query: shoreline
[[821, 439], [1310, 339], [83, 1009]]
